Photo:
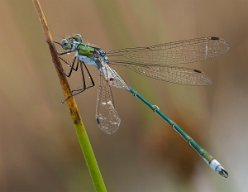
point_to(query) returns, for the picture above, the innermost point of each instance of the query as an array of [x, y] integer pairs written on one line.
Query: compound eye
[[78, 38], [64, 42]]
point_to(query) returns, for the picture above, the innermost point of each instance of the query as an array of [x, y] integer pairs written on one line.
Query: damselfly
[[162, 61]]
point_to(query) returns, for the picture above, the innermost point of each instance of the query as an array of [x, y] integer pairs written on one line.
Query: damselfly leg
[[63, 52], [73, 66], [85, 73]]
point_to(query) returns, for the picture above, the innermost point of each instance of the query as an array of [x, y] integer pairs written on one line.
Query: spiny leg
[[82, 72], [71, 66], [78, 91], [82, 65], [62, 53], [92, 81]]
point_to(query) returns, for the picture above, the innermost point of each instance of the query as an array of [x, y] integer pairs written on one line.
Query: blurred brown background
[[38, 146]]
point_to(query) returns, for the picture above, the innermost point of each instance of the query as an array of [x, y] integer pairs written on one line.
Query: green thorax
[[85, 50]]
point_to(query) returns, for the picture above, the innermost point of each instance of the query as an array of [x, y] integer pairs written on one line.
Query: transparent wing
[[112, 77], [173, 74], [106, 114], [178, 52]]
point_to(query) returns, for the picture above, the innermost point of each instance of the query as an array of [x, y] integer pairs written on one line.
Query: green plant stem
[[82, 136]]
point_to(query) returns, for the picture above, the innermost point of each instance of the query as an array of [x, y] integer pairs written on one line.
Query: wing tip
[[220, 44], [108, 127], [214, 38], [206, 80]]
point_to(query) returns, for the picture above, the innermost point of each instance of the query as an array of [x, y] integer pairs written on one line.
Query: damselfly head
[[71, 43], [66, 44]]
